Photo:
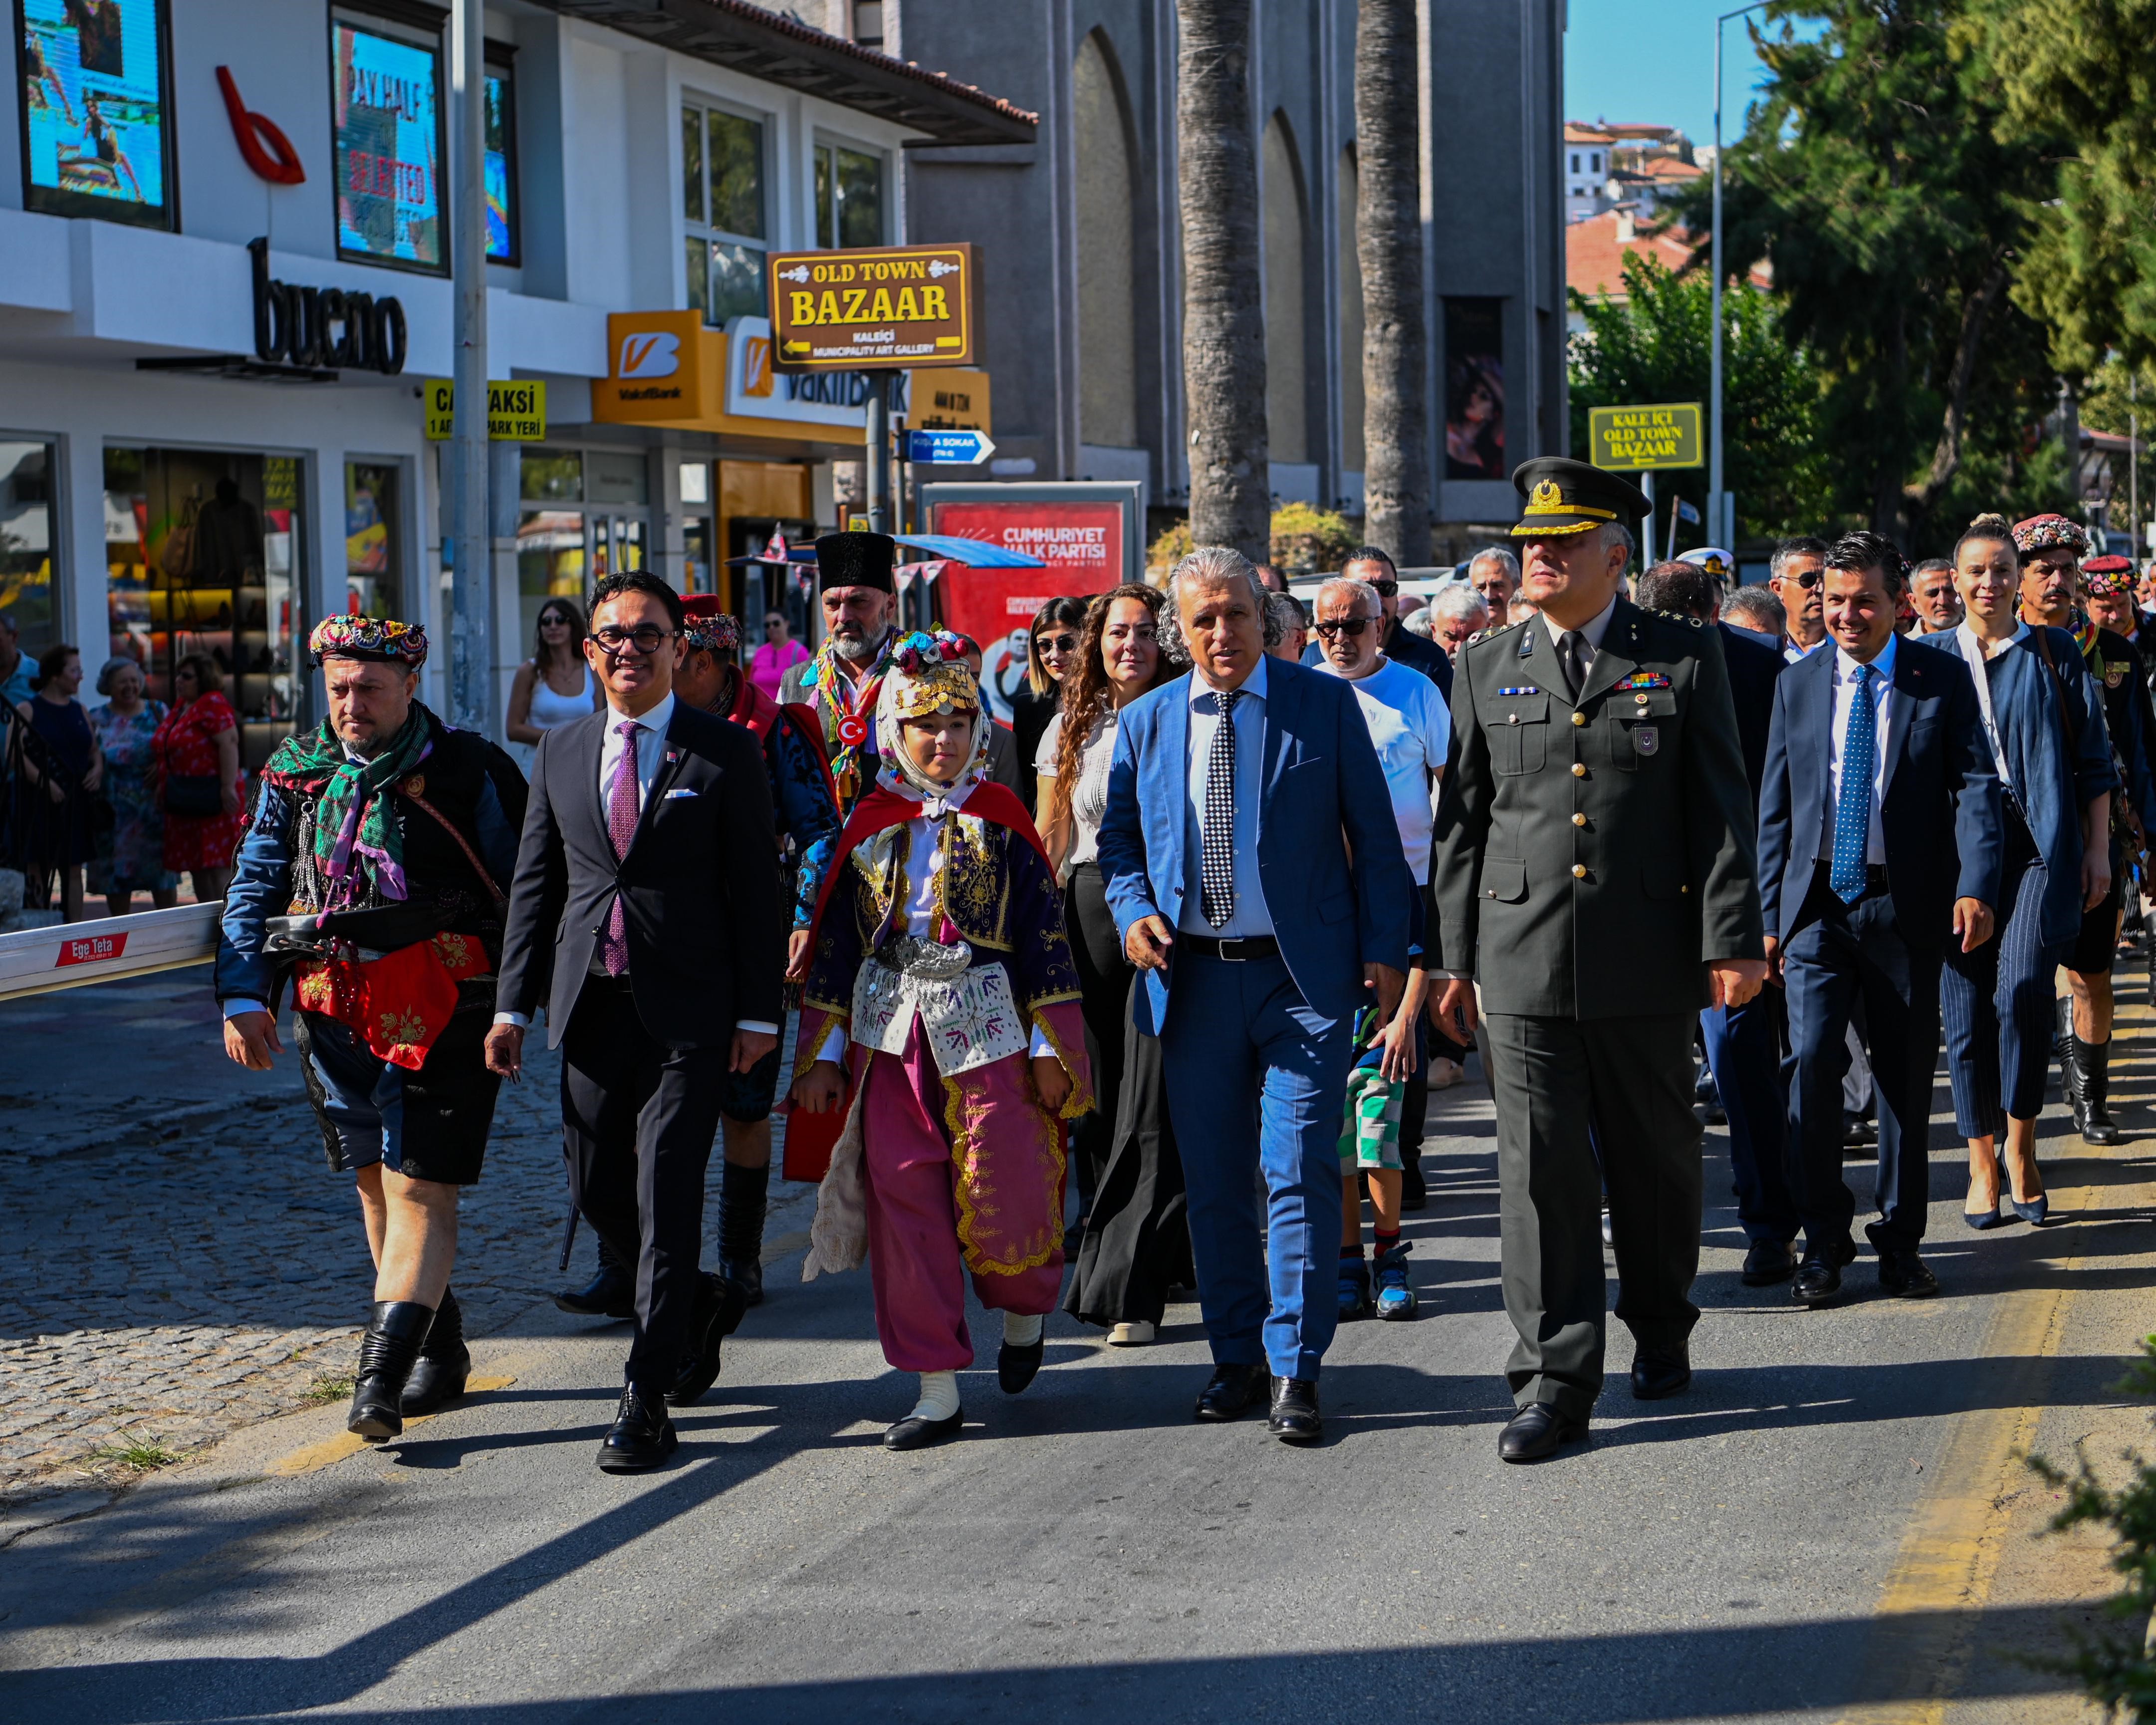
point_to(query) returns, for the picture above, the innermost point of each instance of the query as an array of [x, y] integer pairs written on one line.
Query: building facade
[[1083, 284], [224, 252]]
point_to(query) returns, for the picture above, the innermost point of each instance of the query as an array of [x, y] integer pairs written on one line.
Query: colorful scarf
[[356, 831], [848, 721]]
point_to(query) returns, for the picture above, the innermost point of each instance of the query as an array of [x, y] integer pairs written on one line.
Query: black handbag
[[193, 793]]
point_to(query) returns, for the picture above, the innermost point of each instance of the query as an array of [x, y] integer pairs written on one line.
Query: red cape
[[883, 807], [759, 712]]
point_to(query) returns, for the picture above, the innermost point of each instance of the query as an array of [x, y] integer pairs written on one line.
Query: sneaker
[[1354, 1289], [1396, 1300], [1135, 1334]]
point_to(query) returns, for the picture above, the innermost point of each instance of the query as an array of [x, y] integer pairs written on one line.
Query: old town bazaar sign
[[1642, 438], [909, 305]]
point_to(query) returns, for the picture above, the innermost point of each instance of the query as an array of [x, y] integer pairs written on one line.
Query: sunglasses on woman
[[1056, 644]]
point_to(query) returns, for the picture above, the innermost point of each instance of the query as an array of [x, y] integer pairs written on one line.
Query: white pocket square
[[671, 795]]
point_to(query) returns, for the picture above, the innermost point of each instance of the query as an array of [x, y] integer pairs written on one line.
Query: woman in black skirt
[[1051, 649], [1136, 1242]]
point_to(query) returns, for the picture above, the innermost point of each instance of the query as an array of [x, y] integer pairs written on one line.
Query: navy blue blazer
[[1939, 818], [1754, 667], [1335, 884]]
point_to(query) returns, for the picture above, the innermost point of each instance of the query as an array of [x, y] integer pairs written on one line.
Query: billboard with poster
[[387, 118], [1088, 533], [97, 110]]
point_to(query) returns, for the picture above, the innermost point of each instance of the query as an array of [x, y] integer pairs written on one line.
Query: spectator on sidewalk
[[130, 852]]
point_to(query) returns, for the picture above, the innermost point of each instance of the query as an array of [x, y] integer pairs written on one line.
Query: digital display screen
[[96, 105], [387, 117], [501, 246]]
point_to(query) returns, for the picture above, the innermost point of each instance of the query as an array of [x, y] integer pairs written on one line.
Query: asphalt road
[[1833, 1523]]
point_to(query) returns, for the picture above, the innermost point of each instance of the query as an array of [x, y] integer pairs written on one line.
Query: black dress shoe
[[440, 1374], [915, 1432], [1658, 1372], [1769, 1261], [386, 1355], [641, 1438], [717, 1315], [1819, 1277], [611, 1293], [1902, 1272], [1294, 1418], [1017, 1366], [1233, 1392], [1536, 1432]]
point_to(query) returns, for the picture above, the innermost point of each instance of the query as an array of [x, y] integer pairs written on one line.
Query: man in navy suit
[[1254, 872], [1879, 841], [1744, 1043]]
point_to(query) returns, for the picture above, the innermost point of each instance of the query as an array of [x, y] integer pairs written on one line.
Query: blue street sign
[[962, 449]]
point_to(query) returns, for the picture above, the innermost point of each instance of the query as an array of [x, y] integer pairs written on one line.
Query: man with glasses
[[648, 882], [1369, 564], [1794, 573]]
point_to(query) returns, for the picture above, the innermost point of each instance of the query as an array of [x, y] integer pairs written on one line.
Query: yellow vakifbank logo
[[1638, 440], [516, 410]]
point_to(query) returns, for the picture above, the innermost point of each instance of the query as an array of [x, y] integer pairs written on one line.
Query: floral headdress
[[343, 636], [2107, 575], [703, 626], [2048, 532], [928, 674]]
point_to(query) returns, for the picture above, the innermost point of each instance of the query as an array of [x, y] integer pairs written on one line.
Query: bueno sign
[[910, 305]]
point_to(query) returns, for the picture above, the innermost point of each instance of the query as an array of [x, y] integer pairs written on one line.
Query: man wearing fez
[[374, 861], [855, 585], [1593, 872]]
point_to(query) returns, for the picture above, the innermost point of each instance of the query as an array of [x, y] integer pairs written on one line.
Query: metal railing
[[72, 955]]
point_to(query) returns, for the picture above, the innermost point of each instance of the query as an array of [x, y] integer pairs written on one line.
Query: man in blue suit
[[1253, 868], [1880, 838]]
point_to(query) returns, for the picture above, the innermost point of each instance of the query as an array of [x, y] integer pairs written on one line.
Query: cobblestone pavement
[[179, 1259]]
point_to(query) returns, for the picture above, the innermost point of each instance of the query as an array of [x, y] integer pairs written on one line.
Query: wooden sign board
[[868, 307]]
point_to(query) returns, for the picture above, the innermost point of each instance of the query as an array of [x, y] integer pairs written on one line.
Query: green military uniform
[[1593, 852]]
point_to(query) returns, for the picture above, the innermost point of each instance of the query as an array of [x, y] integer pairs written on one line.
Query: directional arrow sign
[[962, 449]]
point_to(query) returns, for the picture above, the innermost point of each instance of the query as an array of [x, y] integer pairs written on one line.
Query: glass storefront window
[[551, 476], [849, 197], [722, 204], [550, 562], [26, 544], [373, 541], [205, 552], [618, 476]]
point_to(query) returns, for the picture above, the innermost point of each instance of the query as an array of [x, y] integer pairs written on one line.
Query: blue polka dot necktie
[[1216, 863], [1852, 808]]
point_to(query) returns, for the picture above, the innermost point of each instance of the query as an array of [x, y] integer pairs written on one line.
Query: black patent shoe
[[1233, 1391], [1537, 1432], [1017, 1366], [444, 1367], [1768, 1262], [387, 1353], [1294, 1418], [1819, 1277], [611, 1293], [1901, 1273], [717, 1314], [641, 1438], [918, 1432], [1661, 1373]]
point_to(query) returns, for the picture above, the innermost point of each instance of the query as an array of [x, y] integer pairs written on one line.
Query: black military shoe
[[1232, 1392], [1537, 1432], [1819, 1277], [641, 1438], [1769, 1261]]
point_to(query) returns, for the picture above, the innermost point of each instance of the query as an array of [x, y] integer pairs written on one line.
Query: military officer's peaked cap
[[1566, 496]]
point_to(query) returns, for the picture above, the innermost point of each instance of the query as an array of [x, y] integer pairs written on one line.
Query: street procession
[[1222, 871]]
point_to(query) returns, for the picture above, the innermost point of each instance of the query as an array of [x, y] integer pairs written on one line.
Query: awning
[[782, 50]]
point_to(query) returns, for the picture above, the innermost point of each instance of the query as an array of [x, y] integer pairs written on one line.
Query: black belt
[[1875, 874], [1235, 951]]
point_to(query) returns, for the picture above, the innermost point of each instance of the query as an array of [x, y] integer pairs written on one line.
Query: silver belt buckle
[[1238, 941]]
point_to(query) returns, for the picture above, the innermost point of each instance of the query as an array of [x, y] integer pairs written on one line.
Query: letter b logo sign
[[651, 353]]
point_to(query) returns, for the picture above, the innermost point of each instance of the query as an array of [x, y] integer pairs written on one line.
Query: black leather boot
[[445, 1363], [386, 1355], [2091, 1110], [611, 1293], [2066, 1043], [743, 1195]]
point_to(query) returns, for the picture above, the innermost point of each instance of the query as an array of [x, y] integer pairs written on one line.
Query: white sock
[[939, 1396], [1022, 1331]]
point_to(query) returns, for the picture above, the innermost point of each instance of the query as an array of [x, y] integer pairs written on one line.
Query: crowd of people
[[1197, 936]]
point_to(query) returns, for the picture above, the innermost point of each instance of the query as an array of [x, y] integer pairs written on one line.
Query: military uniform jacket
[[1591, 856]]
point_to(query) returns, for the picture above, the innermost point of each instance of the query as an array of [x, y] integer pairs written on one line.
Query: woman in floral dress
[[131, 854], [199, 738]]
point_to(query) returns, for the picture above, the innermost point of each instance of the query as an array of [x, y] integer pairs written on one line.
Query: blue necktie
[[1852, 809]]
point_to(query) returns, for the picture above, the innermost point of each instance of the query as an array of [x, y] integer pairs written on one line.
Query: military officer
[[1594, 876]]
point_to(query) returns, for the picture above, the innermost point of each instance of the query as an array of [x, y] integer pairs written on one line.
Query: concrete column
[[80, 573]]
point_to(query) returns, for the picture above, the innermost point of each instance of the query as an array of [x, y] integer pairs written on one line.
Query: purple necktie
[[621, 828]]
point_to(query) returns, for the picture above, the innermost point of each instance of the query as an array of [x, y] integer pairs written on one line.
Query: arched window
[[1287, 252], [1351, 318], [1107, 307]]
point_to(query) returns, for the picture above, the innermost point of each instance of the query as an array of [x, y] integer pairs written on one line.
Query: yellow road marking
[[312, 1458]]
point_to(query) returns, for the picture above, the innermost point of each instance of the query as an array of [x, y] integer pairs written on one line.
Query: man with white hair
[[1456, 616], [1494, 573], [1370, 564], [1256, 877]]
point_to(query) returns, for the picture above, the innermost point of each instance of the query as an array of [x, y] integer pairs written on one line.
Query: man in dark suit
[[1879, 841], [1744, 1043], [647, 882], [1254, 867], [1592, 874]]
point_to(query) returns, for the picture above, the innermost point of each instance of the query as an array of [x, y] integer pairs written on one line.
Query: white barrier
[[37, 961]]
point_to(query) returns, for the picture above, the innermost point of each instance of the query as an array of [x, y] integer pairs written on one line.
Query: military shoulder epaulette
[[1678, 617], [1492, 634]]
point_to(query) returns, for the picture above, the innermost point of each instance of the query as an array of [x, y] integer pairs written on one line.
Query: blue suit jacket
[[1939, 818], [1755, 665], [1335, 884]]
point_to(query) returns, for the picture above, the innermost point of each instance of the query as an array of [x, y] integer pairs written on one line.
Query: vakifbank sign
[[1640, 440]]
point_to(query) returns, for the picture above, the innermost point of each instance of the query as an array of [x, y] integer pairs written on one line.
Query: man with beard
[[839, 684], [2049, 547]]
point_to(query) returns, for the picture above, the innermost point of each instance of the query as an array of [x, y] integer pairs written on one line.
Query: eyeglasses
[[1056, 644], [553, 619], [1352, 626], [1809, 579], [1387, 590], [613, 640]]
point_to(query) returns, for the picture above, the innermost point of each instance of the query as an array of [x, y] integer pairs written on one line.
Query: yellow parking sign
[[516, 410]]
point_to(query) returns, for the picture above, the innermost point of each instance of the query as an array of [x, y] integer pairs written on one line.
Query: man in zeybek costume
[[857, 589]]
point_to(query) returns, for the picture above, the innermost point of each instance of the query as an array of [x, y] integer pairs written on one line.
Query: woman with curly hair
[[1134, 1242]]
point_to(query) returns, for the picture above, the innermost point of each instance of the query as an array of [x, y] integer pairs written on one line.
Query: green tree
[[1652, 345], [1875, 177]]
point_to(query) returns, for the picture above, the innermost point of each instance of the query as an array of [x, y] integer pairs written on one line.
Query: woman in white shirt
[[1134, 1242], [554, 687]]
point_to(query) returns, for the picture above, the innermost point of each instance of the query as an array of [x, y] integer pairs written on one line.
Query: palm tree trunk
[[1389, 246], [1224, 331]]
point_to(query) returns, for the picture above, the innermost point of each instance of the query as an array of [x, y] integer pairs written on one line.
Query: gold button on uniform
[[1579, 821], [1579, 718], [1511, 718], [1579, 871], [1580, 769]]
